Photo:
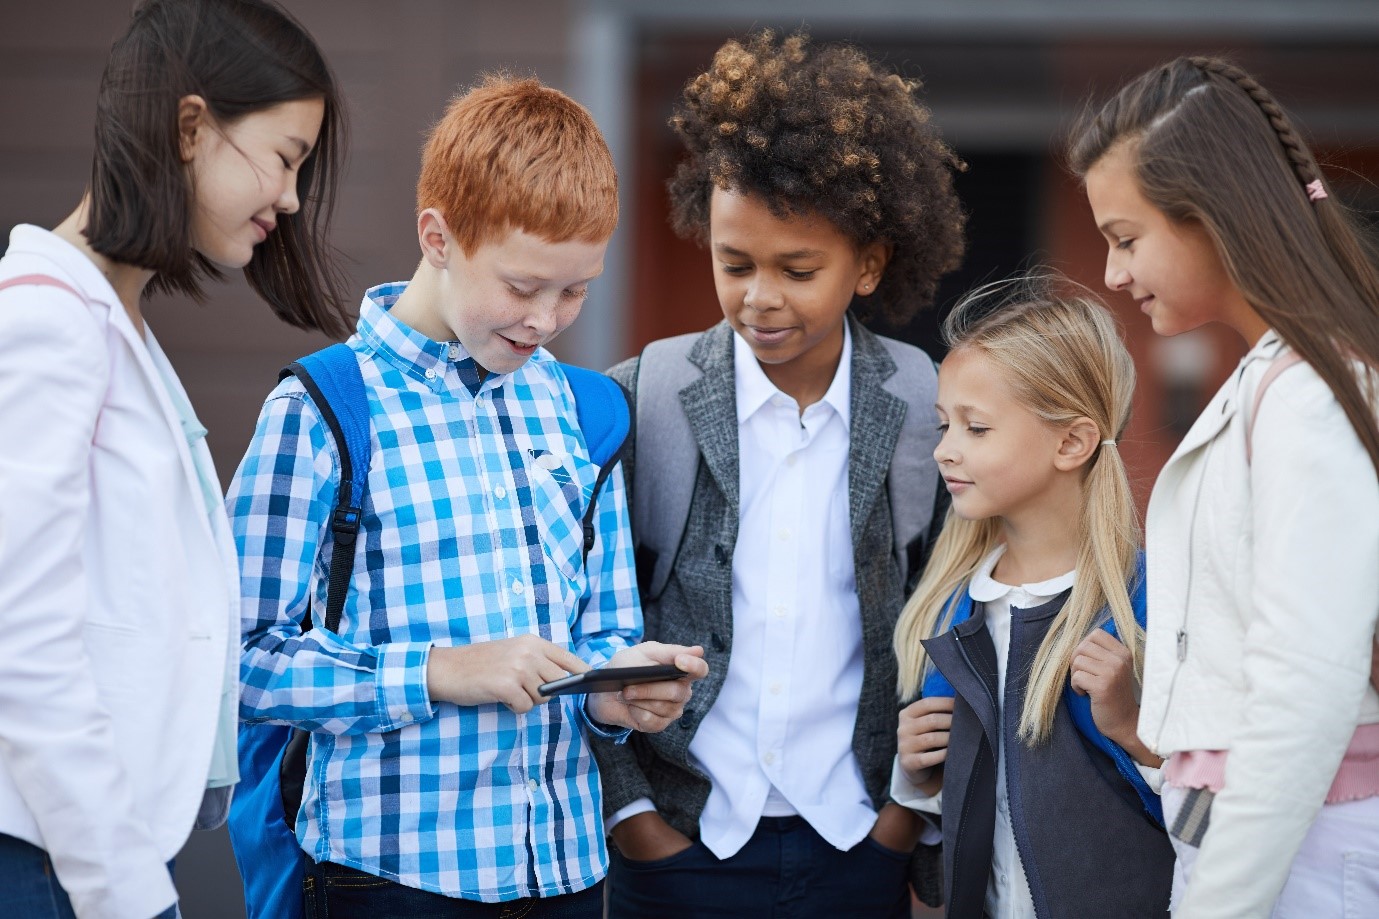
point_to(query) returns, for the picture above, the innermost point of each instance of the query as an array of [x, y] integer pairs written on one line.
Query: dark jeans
[[29, 886], [337, 892], [785, 871]]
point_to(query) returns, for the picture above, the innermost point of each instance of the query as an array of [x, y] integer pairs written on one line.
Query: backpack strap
[[667, 460], [603, 409], [41, 280], [332, 378], [1288, 358], [918, 500]]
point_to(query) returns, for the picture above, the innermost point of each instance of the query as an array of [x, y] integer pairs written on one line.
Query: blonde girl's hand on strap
[[1102, 669], [922, 742]]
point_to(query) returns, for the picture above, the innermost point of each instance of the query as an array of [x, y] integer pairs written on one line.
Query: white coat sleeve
[[56, 738], [1313, 606]]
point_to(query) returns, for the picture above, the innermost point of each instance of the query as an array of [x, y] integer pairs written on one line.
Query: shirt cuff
[[639, 806], [1153, 777], [400, 677], [906, 794], [611, 732]]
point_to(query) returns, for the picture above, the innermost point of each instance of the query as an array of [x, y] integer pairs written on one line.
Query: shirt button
[[769, 758], [531, 783], [454, 352], [780, 612], [500, 492], [790, 460], [775, 689], [517, 588], [431, 374], [783, 533], [405, 716]]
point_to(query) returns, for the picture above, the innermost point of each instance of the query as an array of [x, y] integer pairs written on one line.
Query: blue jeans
[[337, 892], [786, 870], [30, 885]]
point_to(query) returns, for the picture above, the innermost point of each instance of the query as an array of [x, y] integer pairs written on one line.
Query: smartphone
[[610, 679]]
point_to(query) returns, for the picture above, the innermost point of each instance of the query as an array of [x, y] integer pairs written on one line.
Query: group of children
[[924, 645]]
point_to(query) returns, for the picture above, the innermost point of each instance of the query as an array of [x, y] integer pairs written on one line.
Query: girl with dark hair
[[1263, 528], [217, 132]]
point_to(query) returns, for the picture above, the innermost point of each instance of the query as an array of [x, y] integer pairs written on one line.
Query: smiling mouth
[[762, 334], [521, 346]]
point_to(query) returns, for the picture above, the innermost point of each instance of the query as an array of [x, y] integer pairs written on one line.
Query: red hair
[[514, 154]]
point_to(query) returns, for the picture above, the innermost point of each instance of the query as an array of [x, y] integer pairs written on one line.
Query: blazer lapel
[[149, 357], [875, 425], [710, 404]]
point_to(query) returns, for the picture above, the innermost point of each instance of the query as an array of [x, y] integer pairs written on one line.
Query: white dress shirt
[[778, 739], [1007, 889]]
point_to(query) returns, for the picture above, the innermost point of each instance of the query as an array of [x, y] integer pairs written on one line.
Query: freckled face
[[996, 456], [785, 283], [1172, 269], [244, 175], [513, 295]]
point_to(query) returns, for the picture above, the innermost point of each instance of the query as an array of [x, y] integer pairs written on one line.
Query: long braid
[[1304, 166]]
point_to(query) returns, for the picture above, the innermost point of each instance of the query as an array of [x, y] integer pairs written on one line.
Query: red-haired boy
[[439, 775]]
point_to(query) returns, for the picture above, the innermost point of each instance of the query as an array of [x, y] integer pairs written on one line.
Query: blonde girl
[[1025, 636], [1263, 528]]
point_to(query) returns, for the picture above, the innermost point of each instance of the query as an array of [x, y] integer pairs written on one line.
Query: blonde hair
[[1063, 358]]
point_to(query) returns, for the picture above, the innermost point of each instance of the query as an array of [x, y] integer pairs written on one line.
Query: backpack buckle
[[345, 525]]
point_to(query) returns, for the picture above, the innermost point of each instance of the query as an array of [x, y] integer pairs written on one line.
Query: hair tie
[[1315, 192], [1108, 443]]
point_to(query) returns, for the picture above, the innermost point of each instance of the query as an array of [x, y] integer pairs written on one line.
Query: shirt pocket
[[561, 487]]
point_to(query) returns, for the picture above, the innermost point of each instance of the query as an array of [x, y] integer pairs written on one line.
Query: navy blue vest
[[1085, 842]]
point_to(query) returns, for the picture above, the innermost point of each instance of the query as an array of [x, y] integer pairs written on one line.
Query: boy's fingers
[[568, 660]]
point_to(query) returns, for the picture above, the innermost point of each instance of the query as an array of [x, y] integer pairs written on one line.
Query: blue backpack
[[272, 757]]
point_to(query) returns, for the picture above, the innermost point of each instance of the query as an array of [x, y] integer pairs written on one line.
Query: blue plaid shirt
[[471, 532]]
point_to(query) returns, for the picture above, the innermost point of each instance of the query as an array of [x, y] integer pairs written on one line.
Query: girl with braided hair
[[1263, 527]]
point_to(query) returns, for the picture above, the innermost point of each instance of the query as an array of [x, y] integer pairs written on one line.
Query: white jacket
[[1263, 598], [119, 596]]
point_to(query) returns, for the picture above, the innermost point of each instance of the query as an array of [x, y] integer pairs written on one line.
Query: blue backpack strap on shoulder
[[605, 418], [331, 377], [272, 757]]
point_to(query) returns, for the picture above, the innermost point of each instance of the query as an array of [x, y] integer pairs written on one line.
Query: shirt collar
[[416, 355], [984, 588], [755, 389]]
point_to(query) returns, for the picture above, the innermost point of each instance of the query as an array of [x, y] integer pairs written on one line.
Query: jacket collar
[[70, 264], [710, 404], [1226, 403]]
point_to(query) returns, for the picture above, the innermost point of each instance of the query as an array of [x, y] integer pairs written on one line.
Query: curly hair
[[824, 130]]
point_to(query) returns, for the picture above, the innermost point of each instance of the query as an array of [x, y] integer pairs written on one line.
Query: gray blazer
[[696, 606]]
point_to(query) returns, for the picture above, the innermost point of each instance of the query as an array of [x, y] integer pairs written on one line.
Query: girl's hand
[[922, 742], [1103, 669], [650, 707]]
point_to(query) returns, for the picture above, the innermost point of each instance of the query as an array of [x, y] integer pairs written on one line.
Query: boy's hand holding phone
[[509, 670], [650, 707], [922, 741]]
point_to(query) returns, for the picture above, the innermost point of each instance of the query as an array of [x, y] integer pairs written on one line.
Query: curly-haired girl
[[821, 188]]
